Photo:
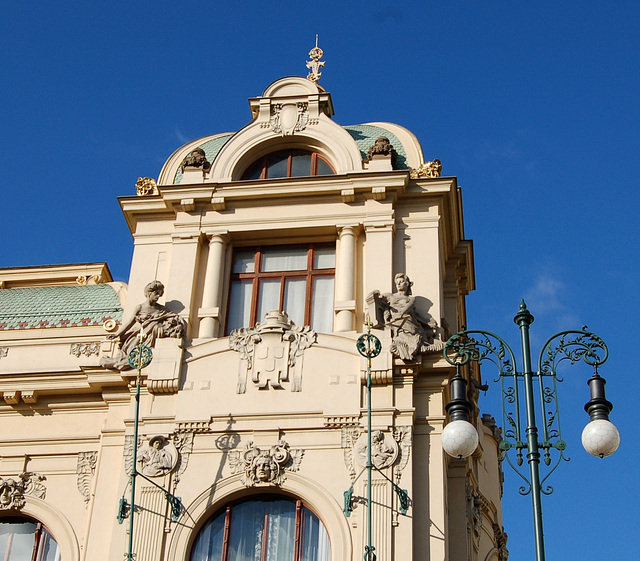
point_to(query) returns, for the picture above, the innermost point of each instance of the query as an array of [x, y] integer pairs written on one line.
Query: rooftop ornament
[[315, 64]]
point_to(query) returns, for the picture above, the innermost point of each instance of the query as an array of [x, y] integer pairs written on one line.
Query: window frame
[[264, 173], [309, 274], [227, 512], [41, 536]]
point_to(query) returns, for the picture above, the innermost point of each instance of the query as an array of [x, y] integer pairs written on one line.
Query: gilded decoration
[[146, 186], [272, 352], [152, 320], [315, 64], [265, 466], [382, 148], [411, 333], [428, 169], [14, 491], [196, 159], [86, 469]]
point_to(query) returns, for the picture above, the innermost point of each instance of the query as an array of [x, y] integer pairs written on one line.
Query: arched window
[[269, 528], [288, 163], [23, 539]]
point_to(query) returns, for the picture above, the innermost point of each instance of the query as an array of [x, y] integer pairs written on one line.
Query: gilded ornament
[[315, 64], [146, 186], [428, 169]]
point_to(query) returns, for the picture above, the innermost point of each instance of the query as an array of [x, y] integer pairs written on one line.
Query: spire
[[315, 64]]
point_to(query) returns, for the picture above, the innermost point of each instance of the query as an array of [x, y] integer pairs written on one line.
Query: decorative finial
[[315, 64]]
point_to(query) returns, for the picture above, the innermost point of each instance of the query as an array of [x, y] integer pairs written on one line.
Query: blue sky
[[533, 106]]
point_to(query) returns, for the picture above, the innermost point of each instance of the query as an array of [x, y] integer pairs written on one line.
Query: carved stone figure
[[157, 458], [154, 320], [384, 450], [196, 159], [428, 169], [382, 147], [272, 352], [13, 491], [411, 333], [85, 469], [262, 466]]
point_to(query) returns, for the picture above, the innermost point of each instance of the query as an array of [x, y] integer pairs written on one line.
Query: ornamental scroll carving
[[14, 491], [265, 466], [146, 186], [288, 118], [85, 469], [272, 352]]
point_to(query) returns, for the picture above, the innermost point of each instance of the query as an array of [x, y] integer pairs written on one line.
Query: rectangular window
[[297, 280]]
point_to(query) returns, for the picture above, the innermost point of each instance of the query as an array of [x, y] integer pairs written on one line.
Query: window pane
[[300, 164], [269, 298], [324, 258], [322, 307], [239, 305], [208, 545], [294, 299], [254, 171], [247, 527], [277, 164], [281, 533], [315, 540], [285, 259], [324, 168], [244, 261]]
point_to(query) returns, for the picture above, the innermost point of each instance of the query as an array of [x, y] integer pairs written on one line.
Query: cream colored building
[[274, 245]]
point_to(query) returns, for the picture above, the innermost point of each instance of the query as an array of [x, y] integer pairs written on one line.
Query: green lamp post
[[520, 432]]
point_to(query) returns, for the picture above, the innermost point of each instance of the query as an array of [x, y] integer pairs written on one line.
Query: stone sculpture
[[196, 159], [157, 458], [13, 491], [382, 147], [262, 466], [153, 320], [411, 332]]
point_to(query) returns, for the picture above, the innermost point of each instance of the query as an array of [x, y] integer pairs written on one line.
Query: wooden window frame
[[264, 174], [310, 274]]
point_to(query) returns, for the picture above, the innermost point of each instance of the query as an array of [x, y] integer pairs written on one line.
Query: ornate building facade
[[260, 257]]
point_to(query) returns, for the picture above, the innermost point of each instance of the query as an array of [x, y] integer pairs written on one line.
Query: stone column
[[209, 313], [345, 303]]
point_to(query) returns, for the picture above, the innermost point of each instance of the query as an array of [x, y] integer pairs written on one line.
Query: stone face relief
[[154, 320], [272, 352], [196, 159], [265, 466], [382, 147], [157, 457], [13, 491], [384, 449], [411, 332]]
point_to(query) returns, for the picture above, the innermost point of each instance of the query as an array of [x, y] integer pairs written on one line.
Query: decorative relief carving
[[146, 186], [272, 352], [14, 491], [383, 148], [157, 457], [428, 169], [265, 467], [404, 437], [154, 320], [350, 436], [500, 540], [4, 351], [84, 280], [287, 118], [86, 349], [338, 421], [183, 443], [477, 507], [196, 159], [127, 452], [86, 469], [384, 449], [411, 332]]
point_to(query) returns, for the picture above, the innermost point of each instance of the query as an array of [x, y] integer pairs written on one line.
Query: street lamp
[[459, 438]]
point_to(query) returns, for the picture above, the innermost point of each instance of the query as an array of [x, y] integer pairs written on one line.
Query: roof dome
[[292, 112]]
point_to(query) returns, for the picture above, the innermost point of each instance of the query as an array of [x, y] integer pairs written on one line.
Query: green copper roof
[[58, 306], [365, 136], [211, 149]]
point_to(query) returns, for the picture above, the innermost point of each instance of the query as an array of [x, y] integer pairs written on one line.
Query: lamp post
[[520, 432]]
